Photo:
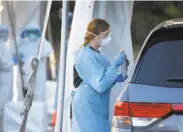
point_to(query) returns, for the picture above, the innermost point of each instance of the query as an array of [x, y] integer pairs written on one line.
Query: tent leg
[[62, 72]]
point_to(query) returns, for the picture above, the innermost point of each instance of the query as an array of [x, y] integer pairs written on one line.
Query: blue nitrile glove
[[119, 59], [120, 78], [15, 60]]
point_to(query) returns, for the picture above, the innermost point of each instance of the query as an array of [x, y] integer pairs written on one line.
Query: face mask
[[33, 37], [105, 41]]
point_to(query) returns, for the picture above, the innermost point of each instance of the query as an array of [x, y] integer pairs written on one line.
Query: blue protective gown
[[91, 100]]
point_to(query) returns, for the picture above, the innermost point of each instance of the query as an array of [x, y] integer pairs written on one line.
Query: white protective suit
[[6, 74], [29, 49]]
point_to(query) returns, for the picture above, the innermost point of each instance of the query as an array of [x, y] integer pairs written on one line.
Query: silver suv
[[152, 101]]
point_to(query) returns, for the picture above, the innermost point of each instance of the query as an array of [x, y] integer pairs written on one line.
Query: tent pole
[[62, 72], [1, 9], [102, 9]]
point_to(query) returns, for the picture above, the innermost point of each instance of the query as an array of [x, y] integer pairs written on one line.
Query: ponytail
[[87, 39]]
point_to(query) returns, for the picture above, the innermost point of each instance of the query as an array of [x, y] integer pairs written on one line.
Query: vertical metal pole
[[52, 60], [1, 8], [62, 72], [103, 9]]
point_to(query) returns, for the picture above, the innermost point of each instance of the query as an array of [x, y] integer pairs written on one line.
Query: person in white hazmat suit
[[28, 47], [6, 72]]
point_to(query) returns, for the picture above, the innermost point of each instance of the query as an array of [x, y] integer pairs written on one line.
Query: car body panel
[[146, 93], [155, 94]]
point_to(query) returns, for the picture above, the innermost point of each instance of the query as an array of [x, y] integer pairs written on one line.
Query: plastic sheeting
[[32, 13], [36, 119], [38, 114], [118, 14]]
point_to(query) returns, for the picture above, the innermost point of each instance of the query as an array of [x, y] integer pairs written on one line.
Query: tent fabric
[[33, 14]]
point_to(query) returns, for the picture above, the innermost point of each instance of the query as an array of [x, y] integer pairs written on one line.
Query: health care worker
[[28, 47], [6, 72], [90, 106]]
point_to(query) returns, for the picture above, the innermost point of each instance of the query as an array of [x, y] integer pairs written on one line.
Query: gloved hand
[[15, 60], [120, 78], [119, 59]]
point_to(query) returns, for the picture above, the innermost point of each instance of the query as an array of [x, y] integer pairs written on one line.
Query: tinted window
[[162, 61]]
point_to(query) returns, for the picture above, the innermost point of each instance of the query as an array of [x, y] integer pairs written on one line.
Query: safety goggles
[[28, 33], [109, 34]]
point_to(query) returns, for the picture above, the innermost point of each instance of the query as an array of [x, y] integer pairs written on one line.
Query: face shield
[[32, 35]]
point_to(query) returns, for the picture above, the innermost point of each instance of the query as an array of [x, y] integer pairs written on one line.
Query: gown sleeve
[[99, 78]]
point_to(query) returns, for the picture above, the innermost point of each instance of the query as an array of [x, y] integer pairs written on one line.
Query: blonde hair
[[96, 26]]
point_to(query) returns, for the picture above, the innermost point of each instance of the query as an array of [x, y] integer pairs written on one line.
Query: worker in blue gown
[[6, 72], [90, 106]]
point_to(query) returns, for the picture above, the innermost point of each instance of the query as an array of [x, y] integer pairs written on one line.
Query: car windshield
[[162, 65]]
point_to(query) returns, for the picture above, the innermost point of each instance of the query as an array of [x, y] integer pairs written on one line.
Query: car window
[[161, 62]]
